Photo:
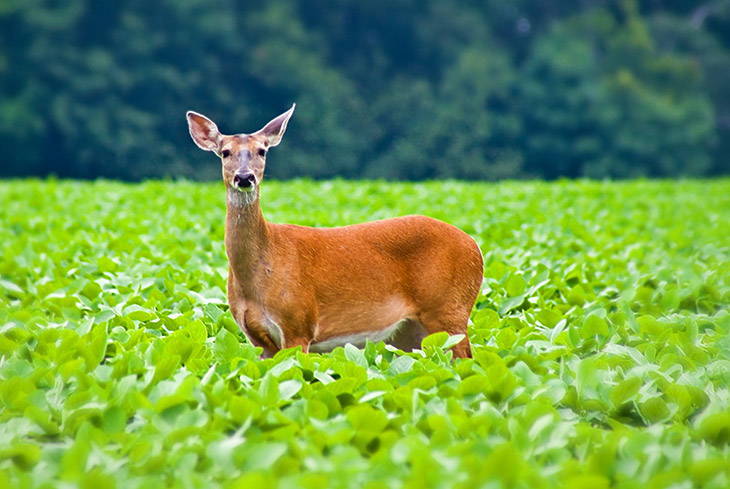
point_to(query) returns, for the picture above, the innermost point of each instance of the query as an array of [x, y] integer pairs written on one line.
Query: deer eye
[[262, 152], [225, 153]]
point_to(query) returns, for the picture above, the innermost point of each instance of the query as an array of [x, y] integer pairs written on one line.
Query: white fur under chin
[[238, 198]]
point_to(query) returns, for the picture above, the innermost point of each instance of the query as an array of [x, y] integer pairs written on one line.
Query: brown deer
[[395, 280]]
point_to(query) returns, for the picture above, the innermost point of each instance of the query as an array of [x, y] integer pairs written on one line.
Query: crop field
[[601, 344]]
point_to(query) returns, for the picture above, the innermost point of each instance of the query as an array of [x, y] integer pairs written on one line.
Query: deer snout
[[244, 181]]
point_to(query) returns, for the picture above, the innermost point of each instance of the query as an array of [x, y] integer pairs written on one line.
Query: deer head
[[243, 156]]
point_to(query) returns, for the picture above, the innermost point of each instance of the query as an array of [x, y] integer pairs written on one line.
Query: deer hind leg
[[451, 322]]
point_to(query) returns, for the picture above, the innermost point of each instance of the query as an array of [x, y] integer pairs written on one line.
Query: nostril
[[244, 180]]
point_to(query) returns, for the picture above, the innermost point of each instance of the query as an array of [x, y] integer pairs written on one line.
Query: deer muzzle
[[244, 181]]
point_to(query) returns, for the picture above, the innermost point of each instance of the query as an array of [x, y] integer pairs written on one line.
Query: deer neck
[[247, 238]]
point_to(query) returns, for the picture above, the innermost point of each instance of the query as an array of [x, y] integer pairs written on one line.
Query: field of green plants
[[601, 344]]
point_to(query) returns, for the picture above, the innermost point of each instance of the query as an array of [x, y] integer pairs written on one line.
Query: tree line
[[406, 89]]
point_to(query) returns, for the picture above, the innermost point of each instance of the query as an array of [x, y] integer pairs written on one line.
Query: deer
[[395, 280]]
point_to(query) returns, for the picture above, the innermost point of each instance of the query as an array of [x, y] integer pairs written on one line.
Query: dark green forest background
[[411, 89]]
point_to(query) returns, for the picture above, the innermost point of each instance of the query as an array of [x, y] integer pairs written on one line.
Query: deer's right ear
[[203, 131]]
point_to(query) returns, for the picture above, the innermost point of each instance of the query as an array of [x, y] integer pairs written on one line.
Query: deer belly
[[356, 339], [359, 323]]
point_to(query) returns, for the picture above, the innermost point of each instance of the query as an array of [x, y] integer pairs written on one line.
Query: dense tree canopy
[[392, 89]]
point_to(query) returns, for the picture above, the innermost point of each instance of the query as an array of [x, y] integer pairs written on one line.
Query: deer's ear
[[203, 131], [274, 130]]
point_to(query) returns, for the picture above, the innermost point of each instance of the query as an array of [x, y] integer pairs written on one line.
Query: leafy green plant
[[601, 350]]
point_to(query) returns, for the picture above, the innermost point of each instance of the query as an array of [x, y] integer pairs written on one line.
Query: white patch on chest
[[356, 339]]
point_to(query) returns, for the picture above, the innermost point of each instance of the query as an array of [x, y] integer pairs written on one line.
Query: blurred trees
[[398, 89]]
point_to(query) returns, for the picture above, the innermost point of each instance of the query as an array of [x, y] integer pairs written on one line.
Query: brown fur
[[316, 284]]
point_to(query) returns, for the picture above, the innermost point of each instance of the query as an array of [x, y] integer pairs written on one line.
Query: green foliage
[[409, 90], [601, 344]]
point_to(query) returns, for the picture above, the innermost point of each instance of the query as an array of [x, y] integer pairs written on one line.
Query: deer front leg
[[296, 333], [255, 335], [259, 338]]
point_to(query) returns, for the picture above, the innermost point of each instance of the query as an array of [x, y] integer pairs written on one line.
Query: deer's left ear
[[274, 130]]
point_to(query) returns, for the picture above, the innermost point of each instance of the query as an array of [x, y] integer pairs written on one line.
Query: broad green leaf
[[261, 456], [625, 390], [510, 304], [355, 355], [289, 388], [23, 455], [435, 340]]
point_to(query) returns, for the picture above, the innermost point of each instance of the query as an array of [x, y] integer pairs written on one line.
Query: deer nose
[[245, 180]]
